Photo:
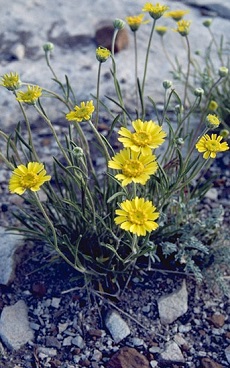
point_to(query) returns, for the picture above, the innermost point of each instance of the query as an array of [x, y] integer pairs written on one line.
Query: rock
[[227, 353], [15, 330], [217, 319], [212, 194], [18, 51], [78, 341], [104, 36], [174, 305], [55, 302], [209, 363], [117, 327], [128, 358], [52, 341], [172, 353], [8, 245]]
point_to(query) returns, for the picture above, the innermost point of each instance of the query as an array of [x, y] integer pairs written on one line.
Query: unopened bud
[[78, 152], [223, 71], [198, 92], [118, 24], [207, 23], [48, 46], [167, 84], [224, 133]]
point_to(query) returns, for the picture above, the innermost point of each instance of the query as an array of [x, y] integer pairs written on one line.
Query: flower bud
[[224, 133], [198, 92], [167, 84], [48, 46], [213, 121], [118, 24], [179, 109], [180, 141], [207, 23], [78, 152], [102, 54], [223, 71], [213, 105]]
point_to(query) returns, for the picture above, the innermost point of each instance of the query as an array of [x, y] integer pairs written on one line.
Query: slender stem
[[188, 70], [113, 41], [216, 45], [136, 67], [147, 57], [100, 140], [98, 88], [166, 53], [49, 65]]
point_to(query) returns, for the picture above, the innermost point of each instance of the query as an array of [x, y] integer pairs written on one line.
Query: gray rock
[[8, 245], [227, 353], [117, 327], [78, 341], [172, 353], [15, 330], [174, 305]]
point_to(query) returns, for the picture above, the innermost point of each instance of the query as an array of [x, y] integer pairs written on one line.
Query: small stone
[[52, 341], [126, 358], [227, 353], [209, 363], [78, 341], [153, 364], [18, 51], [97, 355], [172, 353], [55, 303], [67, 341], [212, 194], [137, 341], [174, 305], [117, 326], [47, 352], [95, 332], [217, 319]]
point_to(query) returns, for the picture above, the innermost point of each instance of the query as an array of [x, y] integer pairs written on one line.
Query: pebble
[[118, 328], [55, 303], [78, 341], [172, 353]]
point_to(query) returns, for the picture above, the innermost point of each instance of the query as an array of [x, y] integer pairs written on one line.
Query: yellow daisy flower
[[148, 135], [161, 30], [82, 112], [137, 216], [213, 105], [102, 54], [211, 145], [155, 11], [176, 14], [135, 166], [183, 27], [213, 121], [30, 177], [135, 21], [11, 81], [31, 96]]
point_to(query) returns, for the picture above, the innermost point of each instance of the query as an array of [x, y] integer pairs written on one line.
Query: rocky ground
[[48, 319]]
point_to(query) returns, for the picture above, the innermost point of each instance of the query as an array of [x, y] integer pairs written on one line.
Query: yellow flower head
[[161, 30], [155, 11], [135, 166], [30, 177], [31, 96], [135, 21], [213, 105], [11, 81], [82, 112], [213, 121], [137, 216], [211, 145], [148, 135], [183, 27], [176, 14], [102, 54]]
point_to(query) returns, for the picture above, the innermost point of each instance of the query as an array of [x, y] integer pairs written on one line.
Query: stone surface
[[174, 305], [217, 319], [172, 353], [209, 363], [117, 327], [8, 245], [128, 358], [14, 326]]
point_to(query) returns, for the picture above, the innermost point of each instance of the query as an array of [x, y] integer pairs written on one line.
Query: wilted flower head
[[135, 21], [183, 27], [176, 14], [137, 216], [213, 105], [102, 54], [118, 24], [11, 81], [213, 121], [30, 177], [155, 11], [161, 30], [223, 71], [211, 145], [30, 96], [82, 112]]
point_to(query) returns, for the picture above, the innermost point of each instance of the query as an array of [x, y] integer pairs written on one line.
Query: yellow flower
[[213, 121], [213, 105], [137, 216], [30, 177], [135, 21], [135, 166], [30, 96], [161, 30], [148, 135], [211, 145], [176, 14], [155, 11], [82, 112], [183, 27], [11, 81], [102, 54]]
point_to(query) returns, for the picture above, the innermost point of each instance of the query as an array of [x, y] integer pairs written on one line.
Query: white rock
[[55, 303], [174, 305], [117, 327], [172, 353], [78, 341], [15, 330], [18, 51], [227, 353]]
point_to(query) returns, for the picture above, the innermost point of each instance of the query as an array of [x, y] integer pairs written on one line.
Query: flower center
[[213, 146], [28, 180], [141, 138], [133, 168], [137, 217]]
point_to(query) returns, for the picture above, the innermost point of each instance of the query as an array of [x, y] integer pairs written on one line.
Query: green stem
[[188, 70], [98, 88], [136, 68], [100, 140]]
